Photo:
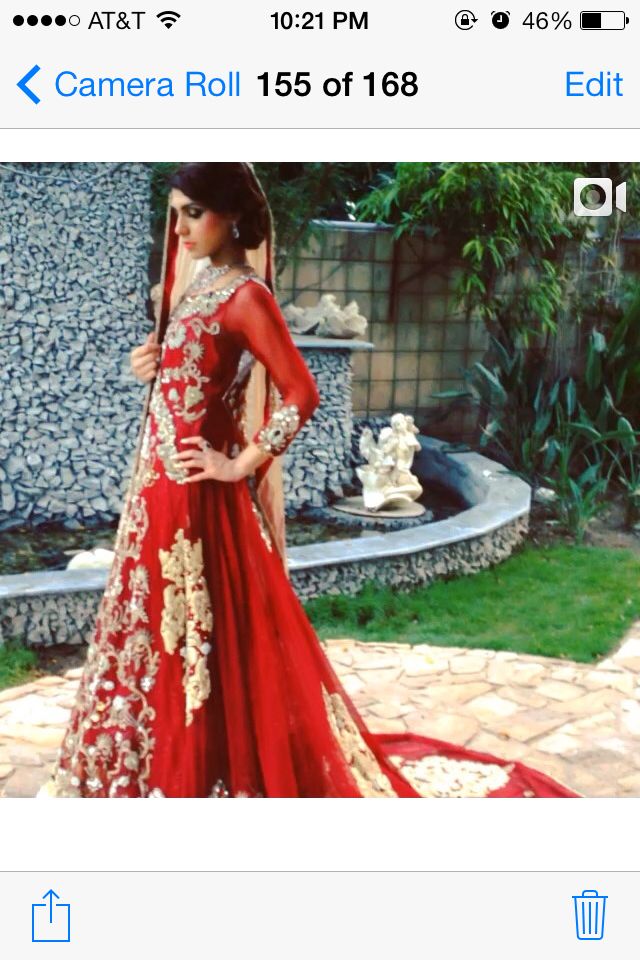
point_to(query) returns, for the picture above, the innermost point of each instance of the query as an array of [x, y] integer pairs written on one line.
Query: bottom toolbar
[[324, 914]]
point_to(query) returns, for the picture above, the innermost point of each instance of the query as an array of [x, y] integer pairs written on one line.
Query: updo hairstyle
[[227, 188]]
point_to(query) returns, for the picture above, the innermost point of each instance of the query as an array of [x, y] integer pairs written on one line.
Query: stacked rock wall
[[74, 248], [318, 462]]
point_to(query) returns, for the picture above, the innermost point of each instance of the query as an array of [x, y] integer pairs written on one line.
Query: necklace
[[210, 274]]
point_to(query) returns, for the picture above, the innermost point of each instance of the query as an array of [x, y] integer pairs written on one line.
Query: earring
[[235, 233]]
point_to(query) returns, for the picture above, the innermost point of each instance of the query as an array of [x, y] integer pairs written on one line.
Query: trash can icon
[[589, 909]]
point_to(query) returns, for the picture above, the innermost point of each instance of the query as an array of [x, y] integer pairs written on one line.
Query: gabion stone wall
[[74, 247], [68, 616], [319, 461], [407, 571]]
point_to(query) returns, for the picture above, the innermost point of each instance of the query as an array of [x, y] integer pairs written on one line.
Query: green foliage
[[574, 602], [518, 408], [300, 193], [505, 222], [612, 363], [626, 456], [542, 434], [574, 461], [17, 664], [509, 229], [610, 398], [573, 436]]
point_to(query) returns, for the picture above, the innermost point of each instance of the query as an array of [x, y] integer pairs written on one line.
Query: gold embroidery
[[174, 611], [364, 767], [108, 747], [109, 737], [147, 476], [257, 510], [262, 525], [187, 617], [193, 394], [204, 305], [281, 427], [199, 323], [139, 590], [194, 313], [167, 448], [176, 335], [218, 792], [444, 777], [235, 397]]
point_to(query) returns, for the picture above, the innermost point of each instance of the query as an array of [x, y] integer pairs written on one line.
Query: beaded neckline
[[203, 300], [207, 276]]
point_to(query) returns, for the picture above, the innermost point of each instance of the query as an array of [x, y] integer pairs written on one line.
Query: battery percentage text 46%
[[543, 20]]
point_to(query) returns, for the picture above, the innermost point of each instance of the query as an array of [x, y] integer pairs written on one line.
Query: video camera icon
[[50, 922], [594, 197]]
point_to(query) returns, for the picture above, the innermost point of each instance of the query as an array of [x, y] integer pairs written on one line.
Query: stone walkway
[[578, 723]]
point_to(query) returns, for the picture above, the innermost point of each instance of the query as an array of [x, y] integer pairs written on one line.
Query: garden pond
[[50, 546]]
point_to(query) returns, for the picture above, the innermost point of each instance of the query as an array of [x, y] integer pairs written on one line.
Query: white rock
[[97, 559]]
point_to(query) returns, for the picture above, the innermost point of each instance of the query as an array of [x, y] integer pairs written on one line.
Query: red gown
[[204, 677]]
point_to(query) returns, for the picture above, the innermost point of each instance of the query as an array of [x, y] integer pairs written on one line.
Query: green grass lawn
[[560, 601], [17, 664]]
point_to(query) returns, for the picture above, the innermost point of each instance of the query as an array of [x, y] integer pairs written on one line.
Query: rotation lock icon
[[465, 19]]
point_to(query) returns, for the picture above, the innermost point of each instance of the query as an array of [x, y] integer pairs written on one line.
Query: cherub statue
[[387, 477]]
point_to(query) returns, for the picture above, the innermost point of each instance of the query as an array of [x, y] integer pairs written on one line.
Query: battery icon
[[603, 20]]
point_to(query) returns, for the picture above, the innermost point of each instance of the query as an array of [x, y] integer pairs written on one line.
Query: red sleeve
[[254, 318]]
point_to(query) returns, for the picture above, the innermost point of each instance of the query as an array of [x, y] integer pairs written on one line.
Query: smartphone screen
[[319, 473]]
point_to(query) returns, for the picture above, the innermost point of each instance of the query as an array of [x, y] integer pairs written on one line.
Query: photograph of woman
[[204, 677]]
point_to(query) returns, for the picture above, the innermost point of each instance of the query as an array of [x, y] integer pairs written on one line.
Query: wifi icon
[[168, 17]]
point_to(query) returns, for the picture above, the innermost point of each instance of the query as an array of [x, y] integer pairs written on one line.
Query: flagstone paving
[[579, 723]]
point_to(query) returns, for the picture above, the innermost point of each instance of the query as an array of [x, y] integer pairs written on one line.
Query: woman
[[205, 677]]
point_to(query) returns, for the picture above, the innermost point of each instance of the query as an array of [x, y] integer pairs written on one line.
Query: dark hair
[[227, 188]]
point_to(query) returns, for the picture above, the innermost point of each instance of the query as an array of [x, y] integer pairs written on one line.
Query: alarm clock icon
[[500, 19]]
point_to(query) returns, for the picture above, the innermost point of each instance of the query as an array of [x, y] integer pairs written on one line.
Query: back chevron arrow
[[22, 84]]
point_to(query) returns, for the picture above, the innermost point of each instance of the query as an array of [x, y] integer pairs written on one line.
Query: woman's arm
[[255, 319]]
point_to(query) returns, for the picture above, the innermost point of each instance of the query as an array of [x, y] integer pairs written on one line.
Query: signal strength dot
[[168, 17]]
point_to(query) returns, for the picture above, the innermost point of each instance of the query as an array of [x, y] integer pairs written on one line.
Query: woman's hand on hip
[[145, 360], [211, 464]]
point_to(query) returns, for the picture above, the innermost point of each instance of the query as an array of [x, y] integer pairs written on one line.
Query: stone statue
[[326, 319], [387, 477]]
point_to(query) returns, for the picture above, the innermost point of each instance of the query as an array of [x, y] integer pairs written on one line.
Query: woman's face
[[203, 232]]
